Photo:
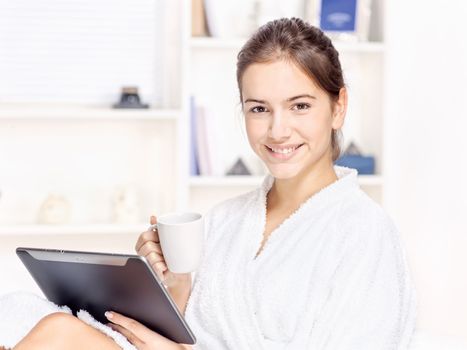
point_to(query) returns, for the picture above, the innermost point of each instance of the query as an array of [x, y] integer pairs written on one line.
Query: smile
[[283, 153]]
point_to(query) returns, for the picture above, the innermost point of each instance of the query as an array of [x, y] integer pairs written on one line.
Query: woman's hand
[[139, 335], [148, 246]]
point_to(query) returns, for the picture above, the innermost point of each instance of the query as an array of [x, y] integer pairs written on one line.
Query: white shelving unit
[[83, 151], [47, 111], [235, 44], [59, 230], [26, 118], [154, 142]]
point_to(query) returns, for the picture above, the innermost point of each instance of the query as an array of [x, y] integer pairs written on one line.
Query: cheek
[[311, 128], [255, 130], [316, 131]]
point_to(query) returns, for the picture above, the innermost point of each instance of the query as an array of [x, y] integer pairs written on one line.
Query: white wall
[[426, 191]]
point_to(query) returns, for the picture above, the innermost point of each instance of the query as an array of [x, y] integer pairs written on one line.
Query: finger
[[161, 266], [149, 235], [160, 269], [153, 339], [133, 339], [146, 237], [153, 220], [139, 330], [149, 247], [153, 258], [158, 266]]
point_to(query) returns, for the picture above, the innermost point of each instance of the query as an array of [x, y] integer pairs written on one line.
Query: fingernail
[[108, 314]]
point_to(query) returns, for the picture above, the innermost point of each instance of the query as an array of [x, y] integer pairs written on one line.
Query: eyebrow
[[288, 100]]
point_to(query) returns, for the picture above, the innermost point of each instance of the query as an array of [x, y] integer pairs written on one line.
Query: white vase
[[230, 19]]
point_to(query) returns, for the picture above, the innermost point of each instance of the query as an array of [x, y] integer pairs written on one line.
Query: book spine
[[194, 166]]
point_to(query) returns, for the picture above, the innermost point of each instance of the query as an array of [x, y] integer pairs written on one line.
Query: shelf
[[92, 229], [225, 181], [39, 111], [360, 47], [370, 180], [252, 181], [237, 43], [216, 43]]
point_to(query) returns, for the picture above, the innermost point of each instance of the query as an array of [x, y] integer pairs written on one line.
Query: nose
[[279, 128]]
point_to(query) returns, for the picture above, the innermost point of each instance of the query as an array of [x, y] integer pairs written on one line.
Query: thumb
[[153, 220]]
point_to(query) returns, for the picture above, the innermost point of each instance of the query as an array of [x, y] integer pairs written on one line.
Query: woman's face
[[289, 119]]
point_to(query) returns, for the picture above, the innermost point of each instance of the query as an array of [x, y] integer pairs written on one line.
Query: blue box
[[365, 165]]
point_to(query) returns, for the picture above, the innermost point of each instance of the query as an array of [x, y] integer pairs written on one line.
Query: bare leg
[[64, 331]]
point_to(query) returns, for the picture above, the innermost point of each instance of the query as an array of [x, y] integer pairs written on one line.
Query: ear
[[340, 108]]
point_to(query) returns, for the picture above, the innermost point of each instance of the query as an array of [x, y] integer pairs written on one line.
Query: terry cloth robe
[[21, 311], [332, 276]]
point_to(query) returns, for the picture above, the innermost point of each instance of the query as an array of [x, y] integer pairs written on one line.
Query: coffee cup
[[181, 236]]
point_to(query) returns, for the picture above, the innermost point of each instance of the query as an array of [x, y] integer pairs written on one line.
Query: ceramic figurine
[[239, 168], [125, 207], [55, 210]]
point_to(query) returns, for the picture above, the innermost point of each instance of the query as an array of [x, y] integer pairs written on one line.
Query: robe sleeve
[[371, 302]]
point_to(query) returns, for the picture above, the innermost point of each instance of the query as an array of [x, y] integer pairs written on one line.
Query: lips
[[283, 152]]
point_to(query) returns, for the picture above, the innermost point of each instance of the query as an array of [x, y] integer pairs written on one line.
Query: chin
[[281, 172]]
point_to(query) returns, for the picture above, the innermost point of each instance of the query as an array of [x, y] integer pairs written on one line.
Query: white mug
[[181, 237]]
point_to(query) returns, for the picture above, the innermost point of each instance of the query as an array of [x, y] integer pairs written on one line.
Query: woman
[[306, 261]]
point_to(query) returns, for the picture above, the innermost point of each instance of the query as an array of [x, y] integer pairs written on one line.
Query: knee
[[58, 322], [51, 332], [64, 331]]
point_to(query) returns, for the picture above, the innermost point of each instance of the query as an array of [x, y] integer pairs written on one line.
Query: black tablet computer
[[99, 282]]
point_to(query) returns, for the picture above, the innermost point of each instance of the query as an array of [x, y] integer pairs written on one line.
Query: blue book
[[338, 15], [194, 164]]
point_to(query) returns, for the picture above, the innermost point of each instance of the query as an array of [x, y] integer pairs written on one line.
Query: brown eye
[[258, 109], [301, 106]]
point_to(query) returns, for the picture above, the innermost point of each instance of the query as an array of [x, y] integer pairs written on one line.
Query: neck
[[294, 191]]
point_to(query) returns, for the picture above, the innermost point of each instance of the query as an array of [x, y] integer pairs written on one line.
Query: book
[[338, 15], [207, 142], [198, 18], [202, 142], [194, 166]]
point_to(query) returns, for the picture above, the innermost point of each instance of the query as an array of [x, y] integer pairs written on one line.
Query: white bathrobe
[[21, 311], [332, 276]]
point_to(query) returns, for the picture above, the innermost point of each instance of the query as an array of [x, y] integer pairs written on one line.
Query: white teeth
[[284, 151]]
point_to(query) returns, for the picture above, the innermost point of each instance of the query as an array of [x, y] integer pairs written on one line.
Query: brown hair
[[305, 45]]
